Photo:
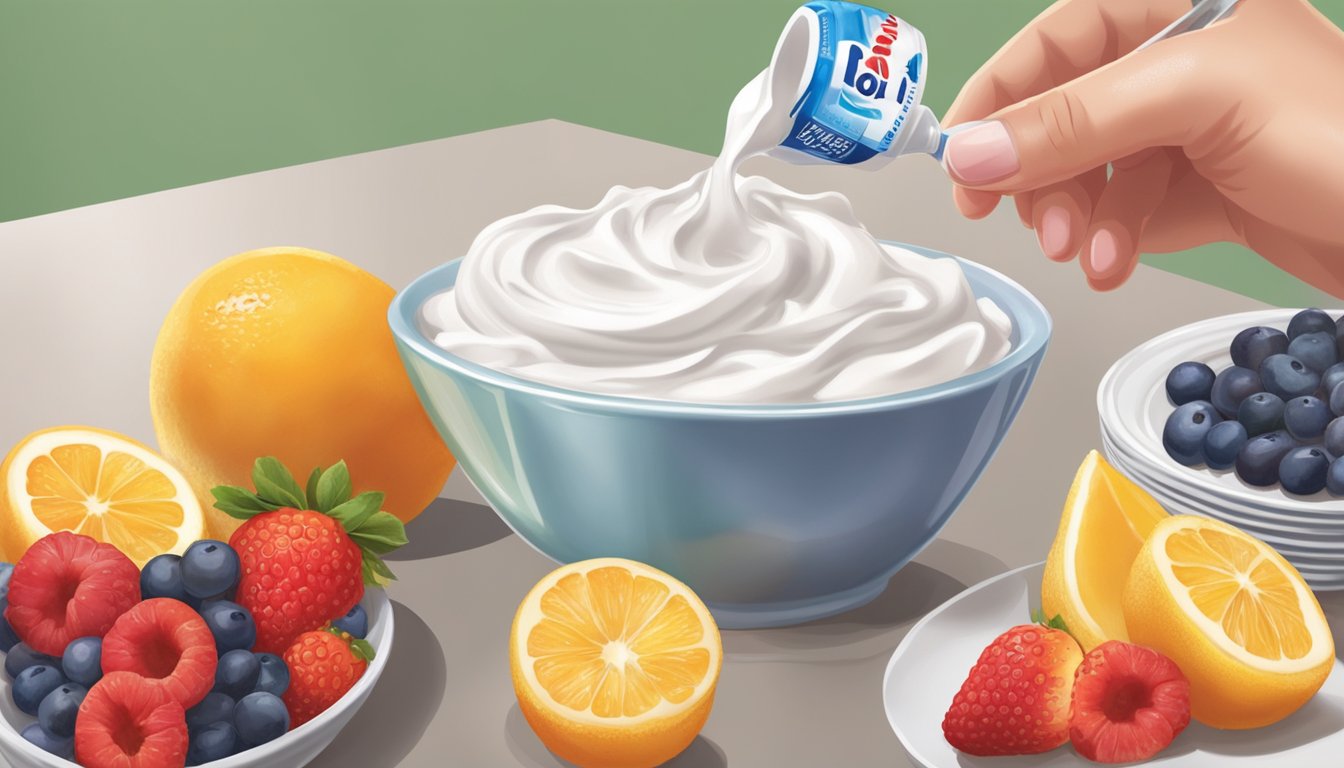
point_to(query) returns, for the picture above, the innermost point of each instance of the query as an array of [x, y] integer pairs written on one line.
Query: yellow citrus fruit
[[1106, 519], [286, 352], [1235, 617], [614, 663], [97, 483]]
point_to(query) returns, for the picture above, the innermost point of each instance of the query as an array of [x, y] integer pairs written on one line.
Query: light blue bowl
[[773, 514]]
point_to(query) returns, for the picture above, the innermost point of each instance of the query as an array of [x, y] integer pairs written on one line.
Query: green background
[[102, 99]]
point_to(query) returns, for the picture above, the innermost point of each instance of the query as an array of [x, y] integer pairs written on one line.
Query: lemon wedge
[[1105, 521]]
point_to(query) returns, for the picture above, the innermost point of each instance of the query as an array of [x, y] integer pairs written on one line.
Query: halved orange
[[100, 484], [1234, 615], [614, 663]]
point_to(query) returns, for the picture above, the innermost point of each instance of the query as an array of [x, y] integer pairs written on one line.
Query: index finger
[[1067, 40]]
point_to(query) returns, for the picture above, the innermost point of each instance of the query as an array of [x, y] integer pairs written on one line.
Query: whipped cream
[[722, 289]]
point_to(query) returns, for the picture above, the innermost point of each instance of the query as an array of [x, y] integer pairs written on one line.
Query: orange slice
[[614, 663], [1234, 615], [1105, 521], [97, 483]]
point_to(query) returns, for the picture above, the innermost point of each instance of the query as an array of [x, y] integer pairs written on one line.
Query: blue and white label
[[868, 74]]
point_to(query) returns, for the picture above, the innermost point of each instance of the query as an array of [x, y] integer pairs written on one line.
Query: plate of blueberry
[[1241, 418]]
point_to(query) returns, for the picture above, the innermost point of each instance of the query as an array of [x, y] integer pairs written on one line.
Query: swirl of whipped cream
[[722, 289]]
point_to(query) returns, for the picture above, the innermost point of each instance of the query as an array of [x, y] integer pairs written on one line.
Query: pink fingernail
[[1104, 254], [1054, 232], [982, 154]]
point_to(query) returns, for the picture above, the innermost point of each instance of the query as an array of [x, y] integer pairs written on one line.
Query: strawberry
[[68, 585], [1129, 703], [1016, 699], [323, 665], [306, 554]]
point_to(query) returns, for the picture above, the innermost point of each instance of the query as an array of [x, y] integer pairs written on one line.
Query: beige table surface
[[82, 294]]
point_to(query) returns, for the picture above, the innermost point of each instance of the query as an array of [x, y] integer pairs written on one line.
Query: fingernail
[[1104, 255], [1054, 232], [982, 154]]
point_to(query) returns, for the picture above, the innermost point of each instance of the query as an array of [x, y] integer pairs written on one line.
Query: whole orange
[[286, 352]]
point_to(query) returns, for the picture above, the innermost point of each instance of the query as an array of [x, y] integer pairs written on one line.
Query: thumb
[[1147, 99]]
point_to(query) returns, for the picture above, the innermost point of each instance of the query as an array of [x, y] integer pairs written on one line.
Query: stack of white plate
[[1132, 402]]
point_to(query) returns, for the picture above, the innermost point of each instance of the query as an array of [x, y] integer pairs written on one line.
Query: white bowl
[[296, 748], [1133, 408]]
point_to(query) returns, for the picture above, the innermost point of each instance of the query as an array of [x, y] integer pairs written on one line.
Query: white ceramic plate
[[928, 668], [294, 749]]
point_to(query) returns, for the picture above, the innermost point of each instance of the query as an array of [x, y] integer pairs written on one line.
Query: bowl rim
[[373, 596], [1031, 322]]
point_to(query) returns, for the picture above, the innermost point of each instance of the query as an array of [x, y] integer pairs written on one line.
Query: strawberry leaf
[[355, 512], [238, 502], [381, 533], [310, 493], [275, 484], [334, 488], [376, 572], [362, 649]]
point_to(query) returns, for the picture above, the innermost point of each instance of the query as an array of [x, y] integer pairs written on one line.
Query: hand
[[1234, 132]]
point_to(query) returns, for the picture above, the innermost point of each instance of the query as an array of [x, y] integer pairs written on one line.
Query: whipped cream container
[[860, 85]]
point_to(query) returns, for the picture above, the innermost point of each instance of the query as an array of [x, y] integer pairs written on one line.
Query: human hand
[[1232, 133]]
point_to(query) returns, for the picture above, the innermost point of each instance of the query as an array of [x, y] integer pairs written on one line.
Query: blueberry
[[8, 637], [1222, 444], [1303, 470], [1251, 346], [1258, 462], [1183, 436], [210, 568], [1189, 381], [1233, 385], [260, 717], [214, 742], [57, 711], [21, 657], [1336, 400], [356, 622], [1316, 350], [1261, 413], [214, 708], [274, 677], [237, 673], [83, 660], [1334, 437], [231, 624], [1309, 321], [1332, 377], [1288, 377], [1334, 480], [63, 748], [162, 577], [33, 684], [1306, 418], [6, 571]]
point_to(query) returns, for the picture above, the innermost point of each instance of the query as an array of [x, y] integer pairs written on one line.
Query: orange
[[614, 663], [286, 352], [1235, 617], [1106, 519], [99, 484]]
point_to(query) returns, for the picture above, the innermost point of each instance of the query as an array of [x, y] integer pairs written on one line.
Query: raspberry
[[165, 641], [1129, 703], [67, 586], [127, 721]]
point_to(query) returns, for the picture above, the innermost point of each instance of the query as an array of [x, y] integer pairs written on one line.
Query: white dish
[[931, 662], [294, 749]]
